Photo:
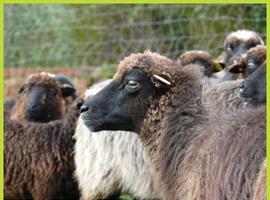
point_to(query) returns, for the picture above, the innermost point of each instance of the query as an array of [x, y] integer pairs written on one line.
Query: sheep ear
[[160, 82], [67, 90]]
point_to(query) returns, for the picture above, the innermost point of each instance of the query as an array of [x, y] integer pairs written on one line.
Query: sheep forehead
[[151, 63], [42, 79], [245, 35]]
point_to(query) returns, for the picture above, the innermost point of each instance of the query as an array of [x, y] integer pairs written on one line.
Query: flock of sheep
[[187, 129]]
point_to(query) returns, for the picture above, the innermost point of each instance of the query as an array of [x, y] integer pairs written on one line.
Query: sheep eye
[[251, 65], [132, 86]]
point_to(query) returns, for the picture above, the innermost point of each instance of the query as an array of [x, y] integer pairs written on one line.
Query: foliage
[[92, 35]]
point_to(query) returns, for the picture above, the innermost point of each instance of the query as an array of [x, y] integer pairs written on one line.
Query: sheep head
[[41, 98], [201, 58], [253, 88], [141, 87], [236, 44]]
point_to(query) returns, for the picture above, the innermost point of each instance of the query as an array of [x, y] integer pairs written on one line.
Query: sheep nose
[[84, 109]]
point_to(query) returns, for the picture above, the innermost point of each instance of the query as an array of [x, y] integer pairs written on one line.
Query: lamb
[[191, 151], [38, 156], [42, 95], [110, 162]]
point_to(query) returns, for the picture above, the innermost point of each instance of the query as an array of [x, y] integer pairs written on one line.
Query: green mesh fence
[[92, 35]]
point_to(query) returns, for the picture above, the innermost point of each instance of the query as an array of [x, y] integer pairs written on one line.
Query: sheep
[[110, 162], [260, 186], [43, 98], [38, 156], [161, 101]]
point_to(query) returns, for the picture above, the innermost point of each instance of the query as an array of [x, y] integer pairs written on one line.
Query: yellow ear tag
[[217, 66]]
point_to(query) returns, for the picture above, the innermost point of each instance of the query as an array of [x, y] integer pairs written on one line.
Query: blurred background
[[86, 42]]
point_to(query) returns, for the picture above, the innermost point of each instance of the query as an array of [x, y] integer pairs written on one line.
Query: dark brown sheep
[[38, 150], [194, 154], [43, 98]]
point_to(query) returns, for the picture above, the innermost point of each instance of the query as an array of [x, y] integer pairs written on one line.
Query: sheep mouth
[[107, 123], [93, 125], [38, 116]]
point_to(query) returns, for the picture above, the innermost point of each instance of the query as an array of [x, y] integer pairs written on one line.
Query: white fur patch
[[110, 160]]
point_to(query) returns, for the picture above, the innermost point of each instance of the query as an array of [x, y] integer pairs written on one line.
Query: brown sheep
[[38, 153], [190, 149]]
